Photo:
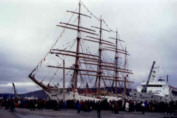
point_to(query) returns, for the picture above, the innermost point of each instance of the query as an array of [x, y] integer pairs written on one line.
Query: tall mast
[[117, 69], [77, 50], [99, 60], [77, 54], [116, 62]]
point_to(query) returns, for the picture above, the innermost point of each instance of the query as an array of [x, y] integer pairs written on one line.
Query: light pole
[[63, 80]]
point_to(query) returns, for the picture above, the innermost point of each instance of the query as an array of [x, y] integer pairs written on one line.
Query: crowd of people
[[87, 106]]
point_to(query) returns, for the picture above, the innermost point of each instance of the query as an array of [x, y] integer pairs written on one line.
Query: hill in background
[[36, 94]]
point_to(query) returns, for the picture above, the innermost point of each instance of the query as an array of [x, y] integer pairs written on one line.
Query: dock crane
[[149, 77], [15, 91]]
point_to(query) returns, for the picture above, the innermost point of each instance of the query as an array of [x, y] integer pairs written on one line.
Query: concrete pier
[[69, 113]]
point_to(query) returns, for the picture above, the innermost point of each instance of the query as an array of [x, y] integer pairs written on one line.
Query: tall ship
[[87, 62], [155, 88]]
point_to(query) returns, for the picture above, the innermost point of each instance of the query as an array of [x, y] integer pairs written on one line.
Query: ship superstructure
[[155, 88]]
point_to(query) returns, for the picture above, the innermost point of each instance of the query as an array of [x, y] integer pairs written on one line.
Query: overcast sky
[[28, 29]]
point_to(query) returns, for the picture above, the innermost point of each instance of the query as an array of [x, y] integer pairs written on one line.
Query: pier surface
[[68, 113]]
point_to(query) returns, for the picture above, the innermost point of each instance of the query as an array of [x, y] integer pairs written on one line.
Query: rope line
[[40, 63]]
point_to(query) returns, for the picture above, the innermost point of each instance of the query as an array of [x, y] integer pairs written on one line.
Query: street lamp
[[63, 78]]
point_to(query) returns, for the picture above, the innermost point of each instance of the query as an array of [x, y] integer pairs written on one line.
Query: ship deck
[[68, 113]]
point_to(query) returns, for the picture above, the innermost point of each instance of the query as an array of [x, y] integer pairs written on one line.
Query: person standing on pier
[[127, 106], [78, 107], [98, 106], [143, 107], [12, 105], [116, 107]]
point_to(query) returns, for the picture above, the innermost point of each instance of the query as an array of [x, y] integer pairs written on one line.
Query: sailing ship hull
[[58, 95]]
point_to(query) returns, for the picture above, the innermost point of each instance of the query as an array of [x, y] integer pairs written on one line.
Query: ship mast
[[125, 78], [116, 62], [77, 50], [99, 60], [117, 40], [77, 54]]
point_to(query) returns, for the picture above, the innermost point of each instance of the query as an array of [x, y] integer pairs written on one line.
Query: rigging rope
[[96, 17], [60, 64], [89, 11], [40, 63], [107, 25]]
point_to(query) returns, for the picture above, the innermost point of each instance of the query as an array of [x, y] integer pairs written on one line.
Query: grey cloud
[[28, 29]]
